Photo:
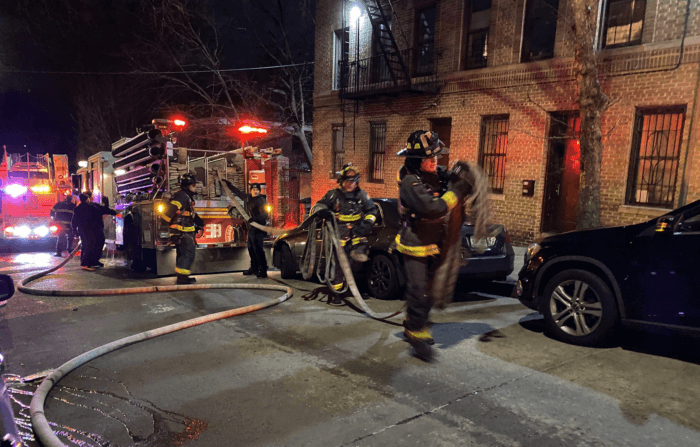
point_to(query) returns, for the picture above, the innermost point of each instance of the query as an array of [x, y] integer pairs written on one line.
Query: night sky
[[37, 110]]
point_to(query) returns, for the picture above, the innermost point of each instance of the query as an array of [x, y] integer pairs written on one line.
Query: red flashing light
[[179, 123], [250, 129]]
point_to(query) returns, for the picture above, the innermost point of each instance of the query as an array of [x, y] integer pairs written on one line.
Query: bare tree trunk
[[592, 103]]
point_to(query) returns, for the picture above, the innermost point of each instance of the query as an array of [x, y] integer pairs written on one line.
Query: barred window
[[624, 21], [492, 150], [338, 149], [377, 150], [656, 152]]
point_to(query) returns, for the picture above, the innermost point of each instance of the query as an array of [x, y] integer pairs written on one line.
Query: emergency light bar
[[41, 188], [15, 190], [249, 129]]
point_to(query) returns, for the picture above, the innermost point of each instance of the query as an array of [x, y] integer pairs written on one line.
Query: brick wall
[[527, 93]]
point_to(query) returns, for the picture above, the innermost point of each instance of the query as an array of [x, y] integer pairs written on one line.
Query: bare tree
[[593, 103]]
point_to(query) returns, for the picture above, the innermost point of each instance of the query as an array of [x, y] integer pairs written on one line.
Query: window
[[492, 152], [425, 48], [540, 30], [341, 50], [337, 148], [377, 149], [624, 20], [381, 43], [656, 150], [478, 23]]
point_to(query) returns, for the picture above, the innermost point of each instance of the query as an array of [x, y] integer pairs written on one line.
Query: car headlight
[[532, 250]]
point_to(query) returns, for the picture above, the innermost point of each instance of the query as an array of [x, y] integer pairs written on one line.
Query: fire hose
[[36, 408]]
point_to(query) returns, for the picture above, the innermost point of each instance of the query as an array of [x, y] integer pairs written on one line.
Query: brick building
[[496, 79]]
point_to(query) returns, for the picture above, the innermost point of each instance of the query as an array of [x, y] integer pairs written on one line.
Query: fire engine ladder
[[379, 13]]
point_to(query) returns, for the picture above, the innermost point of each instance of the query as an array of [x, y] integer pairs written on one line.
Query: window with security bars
[[337, 148], [624, 21], [492, 150], [656, 152], [377, 151]]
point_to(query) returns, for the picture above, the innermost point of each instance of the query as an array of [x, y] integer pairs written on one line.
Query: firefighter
[[256, 207], [355, 214], [83, 222], [103, 210], [426, 194], [62, 215], [184, 223]]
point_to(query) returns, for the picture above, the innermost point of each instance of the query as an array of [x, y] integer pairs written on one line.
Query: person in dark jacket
[[83, 221], [184, 224], [355, 213], [426, 194], [103, 209], [256, 207], [62, 215]]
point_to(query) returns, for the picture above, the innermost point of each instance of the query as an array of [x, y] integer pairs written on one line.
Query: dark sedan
[[587, 283], [488, 259]]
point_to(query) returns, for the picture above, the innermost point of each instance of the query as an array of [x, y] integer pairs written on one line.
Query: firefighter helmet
[[423, 144], [186, 180], [345, 174]]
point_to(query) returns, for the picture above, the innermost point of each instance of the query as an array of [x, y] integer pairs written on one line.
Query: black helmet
[[186, 180], [255, 186], [423, 144], [344, 173]]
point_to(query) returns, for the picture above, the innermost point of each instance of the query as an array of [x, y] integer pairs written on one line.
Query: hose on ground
[[36, 408]]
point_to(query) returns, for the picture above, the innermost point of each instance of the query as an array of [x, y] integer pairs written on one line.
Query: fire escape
[[374, 64]]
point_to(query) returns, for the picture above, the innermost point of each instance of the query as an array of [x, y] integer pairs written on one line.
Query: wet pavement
[[306, 373]]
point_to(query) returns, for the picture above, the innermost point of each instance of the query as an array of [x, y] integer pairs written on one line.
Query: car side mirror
[[665, 224], [7, 289]]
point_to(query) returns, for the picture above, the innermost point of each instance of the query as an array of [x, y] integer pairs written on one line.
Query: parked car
[[588, 283], [383, 274]]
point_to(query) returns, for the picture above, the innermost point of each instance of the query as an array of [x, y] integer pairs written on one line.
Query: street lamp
[[82, 164]]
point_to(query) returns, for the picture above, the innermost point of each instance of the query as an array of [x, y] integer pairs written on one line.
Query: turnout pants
[[65, 240], [351, 243], [256, 250], [185, 254], [419, 276]]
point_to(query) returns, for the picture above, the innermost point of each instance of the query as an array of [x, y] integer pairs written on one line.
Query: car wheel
[[382, 279], [578, 308], [288, 267]]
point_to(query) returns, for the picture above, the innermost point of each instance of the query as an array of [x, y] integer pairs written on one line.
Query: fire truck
[[30, 185], [147, 169]]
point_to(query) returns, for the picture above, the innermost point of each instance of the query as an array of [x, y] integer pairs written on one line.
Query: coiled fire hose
[[36, 408], [334, 252]]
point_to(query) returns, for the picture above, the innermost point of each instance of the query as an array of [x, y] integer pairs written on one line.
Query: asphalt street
[[306, 373]]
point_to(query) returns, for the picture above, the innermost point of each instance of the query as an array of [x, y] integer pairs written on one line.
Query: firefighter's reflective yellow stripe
[[57, 210], [423, 334], [450, 198], [371, 217], [176, 203], [181, 228], [182, 271], [420, 251], [349, 217], [165, 218], [64, 221], [338, 286], [186, 213], [357, 240]]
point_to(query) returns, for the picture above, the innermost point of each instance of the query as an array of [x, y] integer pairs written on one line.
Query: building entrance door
[[563, 174]]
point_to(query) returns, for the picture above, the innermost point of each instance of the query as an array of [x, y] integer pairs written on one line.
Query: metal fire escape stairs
[[379, 12]]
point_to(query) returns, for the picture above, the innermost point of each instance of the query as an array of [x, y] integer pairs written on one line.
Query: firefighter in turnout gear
[[355, 214], [257, 208], [426, 195], [62, 215], [184, 224]]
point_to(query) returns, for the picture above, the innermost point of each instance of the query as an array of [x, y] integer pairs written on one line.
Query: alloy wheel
[[576, 308]]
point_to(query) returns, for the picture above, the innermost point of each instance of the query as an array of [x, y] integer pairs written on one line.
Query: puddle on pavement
[[141, 422], [648, 375]]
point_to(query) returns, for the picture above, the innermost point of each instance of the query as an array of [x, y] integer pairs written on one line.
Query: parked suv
[[587, 283], [489, 259]]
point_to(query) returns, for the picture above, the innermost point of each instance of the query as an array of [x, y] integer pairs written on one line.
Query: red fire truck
[[30, 185]]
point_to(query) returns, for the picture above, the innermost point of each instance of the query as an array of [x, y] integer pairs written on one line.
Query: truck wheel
[[132, 248], [288, 267]]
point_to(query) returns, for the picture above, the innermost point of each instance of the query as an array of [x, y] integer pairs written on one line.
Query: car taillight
[[507, 238]]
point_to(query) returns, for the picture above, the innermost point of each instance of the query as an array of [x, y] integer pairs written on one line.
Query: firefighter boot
[[184, 279], [262, 273], [423, 335], [250, 271]]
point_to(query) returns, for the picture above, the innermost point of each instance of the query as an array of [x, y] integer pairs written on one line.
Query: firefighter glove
[[324, 214], [458, 181], [175, 239], [364, 228]]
